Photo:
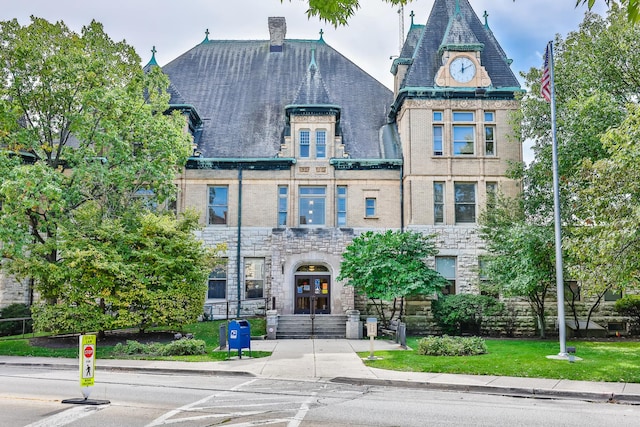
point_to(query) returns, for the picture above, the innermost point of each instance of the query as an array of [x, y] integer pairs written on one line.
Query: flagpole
[[556, 208]]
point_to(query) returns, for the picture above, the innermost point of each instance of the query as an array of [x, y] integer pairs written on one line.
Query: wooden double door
[[312, 294]]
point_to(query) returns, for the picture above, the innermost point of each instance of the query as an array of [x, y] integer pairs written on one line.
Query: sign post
[[372, 332], [87, 362]]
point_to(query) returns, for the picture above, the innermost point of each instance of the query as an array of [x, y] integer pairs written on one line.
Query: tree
[[136, 271], [80, 124], [390, 265], [522, 255], [632, 6], [597, 78], [338, 12], [460, 313]]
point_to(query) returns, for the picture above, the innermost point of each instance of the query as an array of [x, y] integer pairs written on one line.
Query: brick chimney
[[277, 32]]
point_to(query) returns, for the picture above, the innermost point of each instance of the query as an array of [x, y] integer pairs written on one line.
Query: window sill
[[371, 217]]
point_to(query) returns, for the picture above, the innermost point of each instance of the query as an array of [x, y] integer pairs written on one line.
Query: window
[[254, 278], [321, 144], [437, 134], [489, 140], [146, 198], [304, 143], [489, 116], [463, 140], [218, 205], [465, 203], [438, 202], [218, 282], [463, 116], [492, 193], [370, 207], [312, 201], [486, 287], [571, 291], [612, 295], [446, 266], [463, 135], [283, 202], [437, 140], [341, 206]]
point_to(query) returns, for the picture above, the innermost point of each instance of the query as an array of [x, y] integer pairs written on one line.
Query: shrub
[[182, 347], [14, 311], [629, 305], [451, 346], [133, 348], [465, 312]]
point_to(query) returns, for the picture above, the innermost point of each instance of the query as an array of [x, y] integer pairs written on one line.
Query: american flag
[[545, 86]]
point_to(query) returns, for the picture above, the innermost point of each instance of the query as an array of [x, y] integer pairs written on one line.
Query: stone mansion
[[297, 150]]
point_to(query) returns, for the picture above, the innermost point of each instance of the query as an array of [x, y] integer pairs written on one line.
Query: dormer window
[[312, 144], [321, 144], [304, 144]]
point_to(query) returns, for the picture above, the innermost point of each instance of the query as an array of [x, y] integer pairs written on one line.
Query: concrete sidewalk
[[337, 361]]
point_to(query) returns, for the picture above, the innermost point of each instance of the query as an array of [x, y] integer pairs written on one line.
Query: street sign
[[87, 364], [87, 360]]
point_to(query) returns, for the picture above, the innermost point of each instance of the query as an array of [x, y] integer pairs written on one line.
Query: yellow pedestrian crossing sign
[[87, 360]]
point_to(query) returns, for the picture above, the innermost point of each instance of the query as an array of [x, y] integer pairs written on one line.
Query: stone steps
[[300, 326]]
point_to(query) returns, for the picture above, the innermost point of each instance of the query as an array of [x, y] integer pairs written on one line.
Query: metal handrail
[[24, 323]]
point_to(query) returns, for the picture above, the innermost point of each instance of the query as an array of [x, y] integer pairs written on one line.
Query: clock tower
[[460, 53], [454, 95]]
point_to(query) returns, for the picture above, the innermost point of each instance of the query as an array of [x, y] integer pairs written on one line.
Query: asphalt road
[[31, 396]]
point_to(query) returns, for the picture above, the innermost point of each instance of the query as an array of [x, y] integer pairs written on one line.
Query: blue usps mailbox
[[239, 336]]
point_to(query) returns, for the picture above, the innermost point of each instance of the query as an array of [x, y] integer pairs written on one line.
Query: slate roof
[[240, 89], [453, 24]]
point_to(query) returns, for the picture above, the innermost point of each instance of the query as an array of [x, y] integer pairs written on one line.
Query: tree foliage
[[522, 255], [460, 313], [632, 7], [597, 79], [84, 115], [83, 134], [338, 12], [135, 271], [390, 265], [629, 305]]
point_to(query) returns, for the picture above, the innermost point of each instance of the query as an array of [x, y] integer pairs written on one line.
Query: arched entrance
[[312, 288]]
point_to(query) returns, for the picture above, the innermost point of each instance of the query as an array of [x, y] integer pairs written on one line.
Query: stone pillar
[[272, 324], [354, 325]]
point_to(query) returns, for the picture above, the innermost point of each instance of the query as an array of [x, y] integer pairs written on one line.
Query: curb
[[159, 371], [626, 399]]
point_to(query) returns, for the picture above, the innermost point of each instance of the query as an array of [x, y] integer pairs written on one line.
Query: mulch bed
[[111, 338]]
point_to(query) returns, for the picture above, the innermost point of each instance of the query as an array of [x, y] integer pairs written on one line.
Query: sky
[[371, 39]]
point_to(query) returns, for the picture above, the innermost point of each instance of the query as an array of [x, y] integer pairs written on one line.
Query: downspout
[[402, 197], [238, 263]]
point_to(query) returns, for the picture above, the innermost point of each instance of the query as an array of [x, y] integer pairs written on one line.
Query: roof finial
[[457, 7], [321, 33], [486, 21], [412, 15], [206, 36], [153, 61]]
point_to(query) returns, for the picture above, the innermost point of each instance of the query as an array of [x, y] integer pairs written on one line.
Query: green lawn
[[209, 332], [617, 361]]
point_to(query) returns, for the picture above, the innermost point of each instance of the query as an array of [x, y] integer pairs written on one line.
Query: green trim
[[400, 61], [454, 47], [365, 164], [498, 93], [313, 106], [269, 163]]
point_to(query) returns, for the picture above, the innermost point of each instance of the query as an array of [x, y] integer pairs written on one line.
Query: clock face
[[462, 69]]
